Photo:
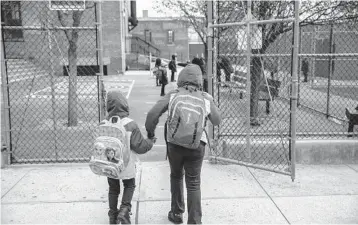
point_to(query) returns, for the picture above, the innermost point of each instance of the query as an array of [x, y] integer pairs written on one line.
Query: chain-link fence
[[328, 93], [51, 64], [252, 87]]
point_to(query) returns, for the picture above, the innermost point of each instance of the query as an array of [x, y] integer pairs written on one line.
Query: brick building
[[168, 34]]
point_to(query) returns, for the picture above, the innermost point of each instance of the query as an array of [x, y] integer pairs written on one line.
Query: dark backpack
[[171, 66]]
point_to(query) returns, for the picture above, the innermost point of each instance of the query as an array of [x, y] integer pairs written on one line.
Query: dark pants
[[205, 85], [172, 78], [182, 159], [162, 91], [305, 76], [114, 191]]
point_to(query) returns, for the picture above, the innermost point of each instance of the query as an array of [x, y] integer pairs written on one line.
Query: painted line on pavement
[[130, 89], [150, 103]]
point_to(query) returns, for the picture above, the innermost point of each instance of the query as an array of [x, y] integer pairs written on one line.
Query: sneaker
[[113, 214], [124, 216], [176, 218]]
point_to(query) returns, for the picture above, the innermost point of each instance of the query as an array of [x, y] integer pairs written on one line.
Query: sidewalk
[[72, 194]]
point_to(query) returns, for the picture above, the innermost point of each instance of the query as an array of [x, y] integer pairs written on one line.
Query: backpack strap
[[126, 120]]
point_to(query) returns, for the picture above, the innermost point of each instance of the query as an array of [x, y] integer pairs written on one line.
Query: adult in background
[[225, 65], [161, 75], [304, 68], [180, 128], [173, 68]]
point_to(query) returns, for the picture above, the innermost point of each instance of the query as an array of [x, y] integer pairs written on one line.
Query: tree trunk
[[72, 89], [255, 78]]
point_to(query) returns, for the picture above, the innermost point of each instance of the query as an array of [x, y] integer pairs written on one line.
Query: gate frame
[[294, 78]]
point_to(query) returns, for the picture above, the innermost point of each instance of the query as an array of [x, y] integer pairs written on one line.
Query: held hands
[[152, 140]]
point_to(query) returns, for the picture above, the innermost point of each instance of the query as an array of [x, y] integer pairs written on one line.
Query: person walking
[[173, 68], [117, 105], [161, 75], [188, 111]]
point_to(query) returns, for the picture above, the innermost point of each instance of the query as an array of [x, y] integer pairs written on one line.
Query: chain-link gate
[[254, 86], [51, 60]]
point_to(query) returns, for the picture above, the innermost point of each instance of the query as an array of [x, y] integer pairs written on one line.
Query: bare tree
[[72, 20], [311, 13]]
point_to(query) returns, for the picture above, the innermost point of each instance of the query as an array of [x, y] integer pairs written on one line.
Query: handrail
[[144, 44]]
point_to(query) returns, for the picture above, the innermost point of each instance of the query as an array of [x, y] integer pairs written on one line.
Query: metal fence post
[[329, 69], [294, 93], [52, 77], [248, 79], [5, 111], [101, 89], [210, 59]]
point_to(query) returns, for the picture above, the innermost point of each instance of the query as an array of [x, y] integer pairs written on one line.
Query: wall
[[159, 28], [196, 50]]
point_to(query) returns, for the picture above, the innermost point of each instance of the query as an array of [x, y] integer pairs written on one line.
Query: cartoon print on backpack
[[110, 153]]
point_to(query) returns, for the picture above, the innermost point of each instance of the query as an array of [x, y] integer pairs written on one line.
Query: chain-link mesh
[[328, 81], [255, 128], [51, 64]]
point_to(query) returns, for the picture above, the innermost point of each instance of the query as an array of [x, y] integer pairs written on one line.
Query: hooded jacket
[[117, 105], [190, 77]]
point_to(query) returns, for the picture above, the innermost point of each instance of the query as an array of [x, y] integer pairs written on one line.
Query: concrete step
[[307, 151]]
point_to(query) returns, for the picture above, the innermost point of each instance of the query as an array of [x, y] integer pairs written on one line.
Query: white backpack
[[111, 149]]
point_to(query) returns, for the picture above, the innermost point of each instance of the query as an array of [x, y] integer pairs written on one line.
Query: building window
[[148, 36], [170, 37], [11, 16]]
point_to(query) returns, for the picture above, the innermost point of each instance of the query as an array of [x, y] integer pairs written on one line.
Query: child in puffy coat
[[181, 159], [117, 105]]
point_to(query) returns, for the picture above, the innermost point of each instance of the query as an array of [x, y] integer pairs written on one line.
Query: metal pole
[[248, 79], [5, 111], [100, 58], [313, 69], [52, 77], [294, 90], [329, 69], [150, 64], [210, 59], [299, 68]]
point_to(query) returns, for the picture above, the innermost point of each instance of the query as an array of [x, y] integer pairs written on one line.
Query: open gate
[[253, 79]]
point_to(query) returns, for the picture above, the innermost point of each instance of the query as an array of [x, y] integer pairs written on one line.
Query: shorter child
[[117, 105]]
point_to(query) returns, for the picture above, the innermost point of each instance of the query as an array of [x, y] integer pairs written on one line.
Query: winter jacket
[[190, 77], [173, 63], [117, 105]]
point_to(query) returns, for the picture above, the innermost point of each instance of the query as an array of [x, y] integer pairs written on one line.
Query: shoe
[[124, 216], [176, 218], [162, 94], [113, 216]]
